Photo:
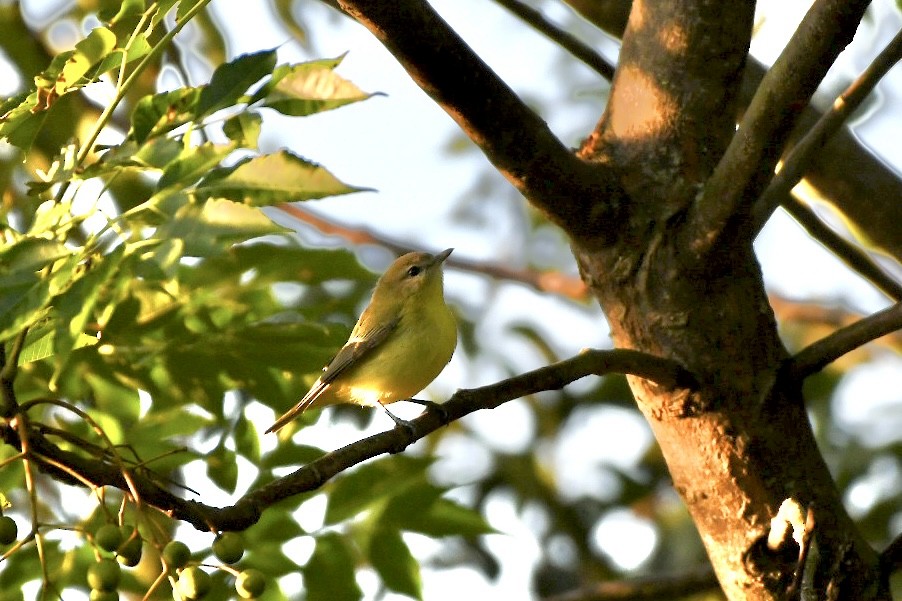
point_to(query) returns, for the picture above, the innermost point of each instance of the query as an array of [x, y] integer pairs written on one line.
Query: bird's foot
[[435, 407]]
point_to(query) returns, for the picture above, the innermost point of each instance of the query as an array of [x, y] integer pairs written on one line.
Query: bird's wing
[[365, 340]]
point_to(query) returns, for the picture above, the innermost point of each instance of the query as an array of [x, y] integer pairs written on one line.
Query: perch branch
[[814, 358], [310, 477], [565, 40]]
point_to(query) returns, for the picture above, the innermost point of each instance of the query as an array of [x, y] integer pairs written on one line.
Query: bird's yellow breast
[[414, 354]]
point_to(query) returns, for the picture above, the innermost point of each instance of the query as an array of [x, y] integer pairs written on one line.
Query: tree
[[139, 333]]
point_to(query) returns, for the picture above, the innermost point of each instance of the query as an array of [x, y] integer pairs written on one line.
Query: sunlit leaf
[[308, 88], [211, 226], [192, 164], [243, 128], [88, 52], [155, 115], [273, 179], [231, 80]]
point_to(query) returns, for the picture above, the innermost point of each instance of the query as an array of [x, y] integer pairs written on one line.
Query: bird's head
[[413, 275]]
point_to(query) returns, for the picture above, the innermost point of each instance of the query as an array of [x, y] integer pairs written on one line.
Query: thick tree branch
[[823, 352], [802, 154], [514, 138], [565, 40], [651, 588], [786, 89], [247, 510]]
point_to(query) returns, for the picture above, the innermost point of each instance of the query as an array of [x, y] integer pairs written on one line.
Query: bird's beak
[[439, 258]]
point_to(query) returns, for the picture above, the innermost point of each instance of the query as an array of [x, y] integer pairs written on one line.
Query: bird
[[402, 341]]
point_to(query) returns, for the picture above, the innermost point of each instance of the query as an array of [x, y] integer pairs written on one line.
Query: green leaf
[[422, 509], [273, 179], [329, 574], [193, 163], [308, 88], [138, 49], [155, 115], [290, 453], [22, 118], [222, 468], [231, 80], [392, 559], [369, 484], [88, 52], [247, 442], [41, 347], [243, 129], [210, 227]]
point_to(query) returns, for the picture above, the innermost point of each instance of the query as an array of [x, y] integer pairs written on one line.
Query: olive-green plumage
[[401, 342]]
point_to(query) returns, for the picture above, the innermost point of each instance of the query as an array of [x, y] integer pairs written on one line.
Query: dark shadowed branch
[[651, 588], [827, 350], [513, 137], [748, 163], [800, 157], [61, 463], [565, 40]]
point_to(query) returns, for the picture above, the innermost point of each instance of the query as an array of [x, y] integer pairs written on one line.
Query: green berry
[[8, 530], [194, 583], [108, 537], [228, 547], [250, 583], [176, 554], [129, 551], [103, 595], [104, 575]]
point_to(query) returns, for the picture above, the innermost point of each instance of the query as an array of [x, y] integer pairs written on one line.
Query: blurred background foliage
[[161, 297]]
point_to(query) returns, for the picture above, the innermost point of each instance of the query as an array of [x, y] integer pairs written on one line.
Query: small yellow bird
[[401, 342]]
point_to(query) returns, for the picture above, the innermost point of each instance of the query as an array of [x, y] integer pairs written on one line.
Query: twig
[[554, 282], [565, 40], [848, 253], [748, 163], [651, 588], [823, 352], [310, 477], [800, 157]]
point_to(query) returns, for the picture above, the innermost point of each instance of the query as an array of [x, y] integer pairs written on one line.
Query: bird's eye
[[413, 271]]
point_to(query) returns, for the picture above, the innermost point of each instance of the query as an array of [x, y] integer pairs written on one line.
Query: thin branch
[[748, 163], [799, 159], [848, 253], [9, 368], [823, 352], [513, 137], [651, 588], [565, 40], [550, 281], [310, 477]]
